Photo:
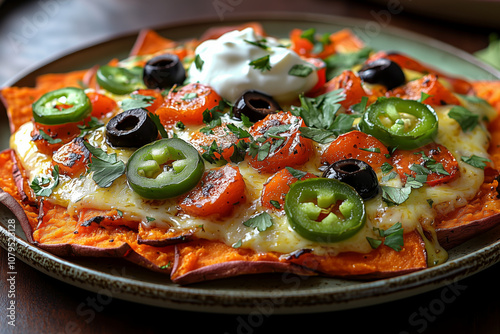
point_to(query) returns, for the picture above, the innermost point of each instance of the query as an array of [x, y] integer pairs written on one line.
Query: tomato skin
[[402, 160], [158, 98], [65, 132], [178, 106], [351, 145], [102, 105], [429, 84], [296, 150], [320, 66], [222, 136], [72, 158], [350, 83], [218, 192], [459, 86], [277, 186]]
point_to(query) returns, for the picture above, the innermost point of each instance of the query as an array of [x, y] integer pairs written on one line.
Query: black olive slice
[[131, 128], [255, 105], [355, 173], [383, 71], [163, 71]]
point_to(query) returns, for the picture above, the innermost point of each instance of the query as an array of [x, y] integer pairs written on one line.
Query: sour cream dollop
[[226, 67]]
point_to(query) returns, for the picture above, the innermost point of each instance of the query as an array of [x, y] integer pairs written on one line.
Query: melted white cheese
[[227, 70], [83, 192]]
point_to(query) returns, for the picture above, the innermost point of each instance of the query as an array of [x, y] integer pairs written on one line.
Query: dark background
[[28, 37]]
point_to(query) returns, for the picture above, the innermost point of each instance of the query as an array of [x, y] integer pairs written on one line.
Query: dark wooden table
[[34, 30]]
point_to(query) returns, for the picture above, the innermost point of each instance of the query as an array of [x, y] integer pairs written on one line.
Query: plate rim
[[218, 301]]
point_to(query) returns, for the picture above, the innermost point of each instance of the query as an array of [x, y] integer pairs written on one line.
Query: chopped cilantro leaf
[[300, 70], [393, 237], [106, 167], [386, 167], [464, 117], [48, 138], [42, 185], [262, 64], [261, 43], [189, 96], [137, 101], [261, 222], [370, 149], [275, 203], [156, 119], [476, 161], [93, 124], [395, 196], [198, 62], [321, 112], [298, 174], [339, 62]]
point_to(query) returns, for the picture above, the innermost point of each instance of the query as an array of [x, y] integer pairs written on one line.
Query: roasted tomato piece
[[351, 85], [156, 94], [222, 136], [102, 105], [49, 138], [278, 143], [278, 185], [433, 161], [438, 94], [219, 191], [187, 104], [72, 158], [356, 145]]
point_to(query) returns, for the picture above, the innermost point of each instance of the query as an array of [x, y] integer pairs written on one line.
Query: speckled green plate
[[281, 292]]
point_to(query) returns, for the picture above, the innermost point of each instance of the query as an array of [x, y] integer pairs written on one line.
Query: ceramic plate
[[284, 293]]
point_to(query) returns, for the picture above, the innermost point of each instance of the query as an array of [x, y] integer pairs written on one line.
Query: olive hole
[[350, 168], [259, 104], [128, 123], [164, 63]]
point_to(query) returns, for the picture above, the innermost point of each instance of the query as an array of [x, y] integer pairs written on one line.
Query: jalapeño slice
[[119, 80], [65, 105], [406, 124], [324, 210], [164, 169]]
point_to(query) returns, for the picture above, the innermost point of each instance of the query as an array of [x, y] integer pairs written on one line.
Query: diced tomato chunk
[[72, 158]]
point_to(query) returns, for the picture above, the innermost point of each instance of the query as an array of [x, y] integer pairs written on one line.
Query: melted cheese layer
[[82, 192]]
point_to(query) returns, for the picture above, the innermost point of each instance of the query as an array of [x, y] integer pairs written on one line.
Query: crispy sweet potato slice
[[51, 81], [55, 230], [203, 260], [161, 237], [149, 42], [10, 184], [483, 211], [18, 100], [379, 263]]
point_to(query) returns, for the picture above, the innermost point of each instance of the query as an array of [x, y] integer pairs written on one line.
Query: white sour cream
[[227, 70]]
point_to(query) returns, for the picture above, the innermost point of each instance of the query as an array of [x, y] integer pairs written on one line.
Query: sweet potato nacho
[[242, 153]]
